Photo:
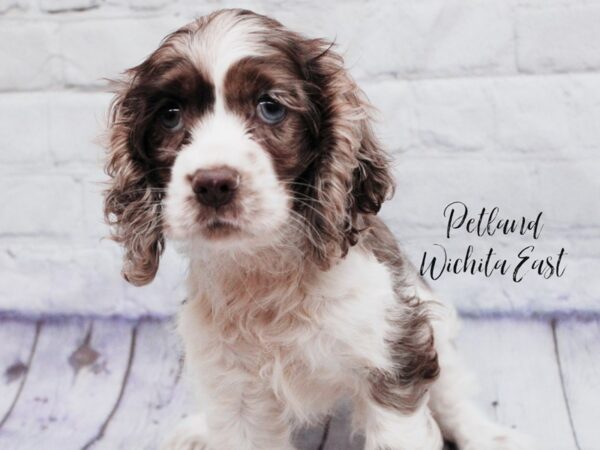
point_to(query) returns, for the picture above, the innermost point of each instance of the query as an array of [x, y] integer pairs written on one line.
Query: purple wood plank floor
[[107, 384]]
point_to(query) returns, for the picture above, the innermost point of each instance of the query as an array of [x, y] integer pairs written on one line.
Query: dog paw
[[497, 438], [189, 434]]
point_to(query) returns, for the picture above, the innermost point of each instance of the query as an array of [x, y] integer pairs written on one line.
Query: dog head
[[233, 131]]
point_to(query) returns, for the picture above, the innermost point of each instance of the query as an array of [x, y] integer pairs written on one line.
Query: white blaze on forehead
[[221, 139], [221, 136], [224, 40]]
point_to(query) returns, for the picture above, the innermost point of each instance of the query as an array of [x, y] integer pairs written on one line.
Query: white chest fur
[[304, 342]]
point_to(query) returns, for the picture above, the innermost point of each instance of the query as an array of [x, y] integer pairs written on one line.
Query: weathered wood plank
[[516, 367], [154, 399], [19, 340], [578, 345], [126, 334], [72, 385], [74, 394]]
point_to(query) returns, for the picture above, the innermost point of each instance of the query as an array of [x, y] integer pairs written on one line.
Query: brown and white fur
[[298, 293]]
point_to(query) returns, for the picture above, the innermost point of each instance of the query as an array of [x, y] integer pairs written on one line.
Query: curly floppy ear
[[131, 203], [350, 173]]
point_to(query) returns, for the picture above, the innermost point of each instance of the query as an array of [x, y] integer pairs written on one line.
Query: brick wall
[[491, 102]]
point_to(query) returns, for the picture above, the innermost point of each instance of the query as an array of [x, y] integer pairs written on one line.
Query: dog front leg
[[389, 428], [237, 415], [245, 415]]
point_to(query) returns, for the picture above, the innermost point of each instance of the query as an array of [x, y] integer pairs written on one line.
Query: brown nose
[[215, 187]]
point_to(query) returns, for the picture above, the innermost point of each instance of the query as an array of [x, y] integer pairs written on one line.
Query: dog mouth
[[220, 228], [222, 224]]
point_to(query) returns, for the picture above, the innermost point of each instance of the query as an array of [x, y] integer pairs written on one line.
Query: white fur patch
[[224, 40]]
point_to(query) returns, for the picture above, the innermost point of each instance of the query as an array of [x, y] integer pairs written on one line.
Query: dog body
[[289, 354], [251, 146]]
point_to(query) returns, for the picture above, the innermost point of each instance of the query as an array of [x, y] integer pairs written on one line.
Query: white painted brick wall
[[559, 39], [29, 54], [491, 102]]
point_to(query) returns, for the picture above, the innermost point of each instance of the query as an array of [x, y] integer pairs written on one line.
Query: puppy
[[251, 146]]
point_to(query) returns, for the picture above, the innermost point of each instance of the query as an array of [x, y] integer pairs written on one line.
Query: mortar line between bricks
[[76, 17], [376, 78]]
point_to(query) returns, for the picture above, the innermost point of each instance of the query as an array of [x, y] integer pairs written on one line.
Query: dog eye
[[170, 117], [269, 110]]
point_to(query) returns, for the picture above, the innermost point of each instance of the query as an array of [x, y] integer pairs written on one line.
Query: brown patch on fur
[[349, 174], [141, 151], [412, 347], [325, 147], [288, 142]]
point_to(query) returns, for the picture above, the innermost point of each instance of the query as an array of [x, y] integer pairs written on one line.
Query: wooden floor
[[83, 384]]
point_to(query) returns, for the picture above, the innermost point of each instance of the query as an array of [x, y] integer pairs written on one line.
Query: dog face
[[234, 133]]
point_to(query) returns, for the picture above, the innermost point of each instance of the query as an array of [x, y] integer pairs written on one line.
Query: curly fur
[[350, 175], [298, 294], [132, 204]]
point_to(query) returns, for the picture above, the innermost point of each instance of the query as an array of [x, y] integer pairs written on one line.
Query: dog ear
[[350, 175], [132, 205], [373, 182]]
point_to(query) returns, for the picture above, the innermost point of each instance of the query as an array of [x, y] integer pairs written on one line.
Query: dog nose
[[215, 187]]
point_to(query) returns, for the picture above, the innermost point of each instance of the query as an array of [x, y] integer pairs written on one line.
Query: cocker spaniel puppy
[[251, 146]]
